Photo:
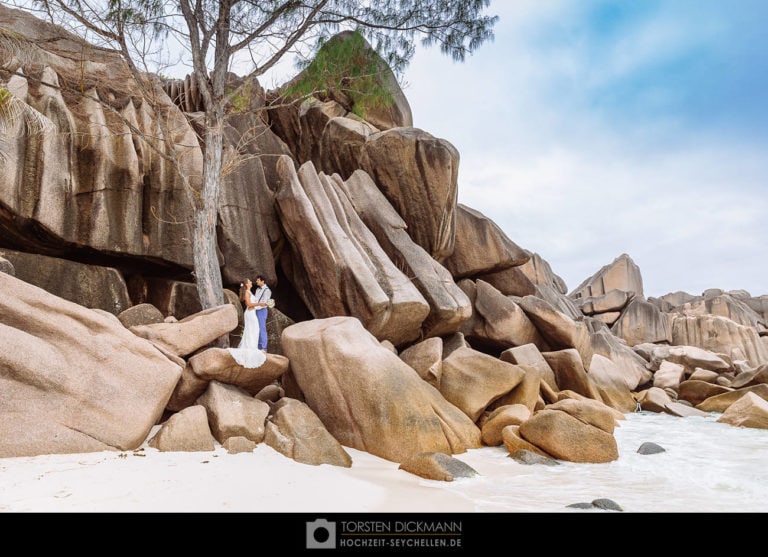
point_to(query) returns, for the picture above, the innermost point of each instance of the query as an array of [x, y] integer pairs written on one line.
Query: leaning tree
[[209, 36]]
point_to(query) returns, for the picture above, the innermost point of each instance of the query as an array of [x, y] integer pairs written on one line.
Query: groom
[[262, 294]]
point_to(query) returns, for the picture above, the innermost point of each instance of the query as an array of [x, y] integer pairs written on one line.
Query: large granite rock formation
[[642, 322], [295, 431], [471, 380], [577, 431], [117, 192], [497, 321], [557, 328], [418, 173], [449, 307], [96, 184], [720, 335], [338, 265], [74, 379], [474, 229], [622, 274], [367, 397], [91, 286], [723, 305], [360, 212]]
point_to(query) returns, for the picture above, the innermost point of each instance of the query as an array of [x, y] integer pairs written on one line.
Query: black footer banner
[[392, 533]]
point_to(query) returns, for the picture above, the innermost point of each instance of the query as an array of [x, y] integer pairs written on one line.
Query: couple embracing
[[251, 352]]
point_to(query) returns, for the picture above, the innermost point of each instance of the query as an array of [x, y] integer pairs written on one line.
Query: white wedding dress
[[247, 353]]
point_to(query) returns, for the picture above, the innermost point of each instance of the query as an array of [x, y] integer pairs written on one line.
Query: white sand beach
[[147, 480], [707, 467]]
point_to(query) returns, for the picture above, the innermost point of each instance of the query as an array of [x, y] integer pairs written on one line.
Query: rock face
[[6, 267], [570, 373], [510, 282], [669, 375], [654, 399], [418, 173], [367, 397], [218, 364], [613, 300], [751, 377], [612, 384], [642, 322], [301, 123], [723, 305], [690, 357], [449, 307], [426, 358], [232, 412], [295, 431], [497, 321], [346, 272], [526, 393], [54, 355], [683, 410], [720, 335], [529, 355], [361, 216], [119, 196], [475, 229], [438, 466], [749, 411], [189, 334], [669, 301], [540, 273], [759, 305], [342, 144], [633, 367], [568, 438], [186, 431], [248, 225], [179, 299], [472, 380], [141, 314], [512, 414], [559, 330], [721, 402], [622, 274], [415, 171], [101, 205], [87, 285], [513, 442], [534, 278]]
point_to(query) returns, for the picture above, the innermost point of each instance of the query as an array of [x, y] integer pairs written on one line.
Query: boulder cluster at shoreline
[[407, 325]]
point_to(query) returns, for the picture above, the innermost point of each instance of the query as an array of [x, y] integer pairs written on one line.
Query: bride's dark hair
[[243, 288]]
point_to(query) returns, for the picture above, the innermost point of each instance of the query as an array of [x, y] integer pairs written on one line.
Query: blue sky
[[593, 128]]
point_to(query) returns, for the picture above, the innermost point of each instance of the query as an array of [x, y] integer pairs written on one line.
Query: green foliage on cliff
[[345, 64]]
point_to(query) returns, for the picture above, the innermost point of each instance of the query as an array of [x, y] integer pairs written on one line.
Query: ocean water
[[707, 467]]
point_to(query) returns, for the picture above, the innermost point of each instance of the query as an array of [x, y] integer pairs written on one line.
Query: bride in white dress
[[247, 353]]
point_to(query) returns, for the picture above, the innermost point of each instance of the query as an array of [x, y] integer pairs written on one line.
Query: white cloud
[[563, 181], [686, 219]]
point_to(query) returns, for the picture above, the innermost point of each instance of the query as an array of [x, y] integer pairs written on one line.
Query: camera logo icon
[[321, 534]]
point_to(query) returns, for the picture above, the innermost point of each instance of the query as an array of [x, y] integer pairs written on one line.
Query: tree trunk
[[206, 261]]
